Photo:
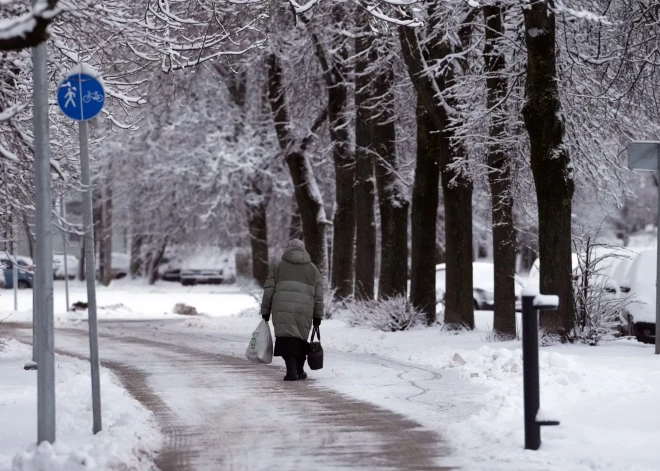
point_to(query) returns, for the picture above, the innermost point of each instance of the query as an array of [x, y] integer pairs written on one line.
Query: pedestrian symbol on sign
[[81, 95], [70, 94]]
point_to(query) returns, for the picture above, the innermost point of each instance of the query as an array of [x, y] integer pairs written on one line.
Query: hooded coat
[[294, 294]]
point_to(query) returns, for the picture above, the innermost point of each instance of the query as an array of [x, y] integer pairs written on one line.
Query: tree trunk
[[30, 238], [106, 233], [81, 263], [137, 241], [499, 177], [365, 188], [457, 192], [424, 218], [551, 166], [295, 227], [308, 195], [154, 262], [258, 226], [456, 185], [99, 230], [393, 280], [333, 60]]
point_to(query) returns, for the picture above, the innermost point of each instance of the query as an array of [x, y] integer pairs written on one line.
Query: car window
[[6, 264]]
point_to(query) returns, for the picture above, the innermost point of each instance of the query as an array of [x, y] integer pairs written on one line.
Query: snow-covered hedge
[[389, 315]]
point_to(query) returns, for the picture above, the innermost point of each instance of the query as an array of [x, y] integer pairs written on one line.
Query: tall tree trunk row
[[499, 176], [333, 60], [456, 184], [551, 166], [424, 217], [308, 195], [393, 202], [365, 186]]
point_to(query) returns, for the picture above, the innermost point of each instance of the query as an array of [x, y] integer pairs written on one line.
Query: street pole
[[44, 259], [530, 347], [645, 156], [90, 268], [64, 250], [14, 273], [657, 281]]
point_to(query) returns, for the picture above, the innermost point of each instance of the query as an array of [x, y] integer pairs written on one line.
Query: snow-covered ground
[[129, 438], [605, 396], [125, 299]]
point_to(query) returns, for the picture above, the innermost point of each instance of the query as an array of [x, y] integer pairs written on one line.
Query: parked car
[[483, 275], [25, 271], [607, 261], [170, 269], [209, 268], [121, 265], [171, 274], [534, 277], [640, 283], [58, 266]]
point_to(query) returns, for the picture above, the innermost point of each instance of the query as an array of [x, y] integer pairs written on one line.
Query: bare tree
[[500, 175], [333, 59], [308, 195], [551, 164], [365, 186]]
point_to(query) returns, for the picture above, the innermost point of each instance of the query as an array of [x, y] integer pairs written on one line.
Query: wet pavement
[[220, 412]]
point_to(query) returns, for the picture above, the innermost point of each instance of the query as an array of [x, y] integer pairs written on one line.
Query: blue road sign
[[81, 96]]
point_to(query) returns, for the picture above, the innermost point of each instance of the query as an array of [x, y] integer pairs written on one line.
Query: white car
[[58, 266], [639, 315], [483, 276], [208, 267], [534, 277]]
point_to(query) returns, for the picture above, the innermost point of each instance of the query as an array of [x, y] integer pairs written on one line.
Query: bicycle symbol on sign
[[96, 96]]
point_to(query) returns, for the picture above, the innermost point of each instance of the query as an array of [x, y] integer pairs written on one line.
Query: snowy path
[[221, 412]]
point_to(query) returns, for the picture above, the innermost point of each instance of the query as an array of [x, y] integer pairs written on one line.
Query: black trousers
[[290, 347]]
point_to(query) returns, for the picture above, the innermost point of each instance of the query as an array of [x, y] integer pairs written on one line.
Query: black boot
[[300, 365], [291, 373]]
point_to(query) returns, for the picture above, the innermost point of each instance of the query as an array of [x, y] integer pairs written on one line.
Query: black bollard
[[530, 347]]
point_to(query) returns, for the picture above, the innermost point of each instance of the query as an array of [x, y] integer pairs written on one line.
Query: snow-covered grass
[[129, 438], [126, 299]]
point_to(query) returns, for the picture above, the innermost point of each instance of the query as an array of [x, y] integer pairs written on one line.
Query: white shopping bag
[[260, 349]]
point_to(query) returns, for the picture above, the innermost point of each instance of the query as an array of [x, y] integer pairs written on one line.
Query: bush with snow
[[388, 315], [597, 303]]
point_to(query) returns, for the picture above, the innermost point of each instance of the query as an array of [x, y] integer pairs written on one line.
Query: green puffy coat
[[294, 294]]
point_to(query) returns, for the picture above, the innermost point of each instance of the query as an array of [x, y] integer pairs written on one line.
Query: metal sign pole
[[81, 97], [14, 272], [90, 277], [44, 260], [657, 282], [66, 261], [645, 156]]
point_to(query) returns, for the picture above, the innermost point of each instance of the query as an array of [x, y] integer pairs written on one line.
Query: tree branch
[[30, 29]]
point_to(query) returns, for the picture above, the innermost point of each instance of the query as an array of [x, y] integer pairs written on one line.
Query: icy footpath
[[128, 442], [605, 397]]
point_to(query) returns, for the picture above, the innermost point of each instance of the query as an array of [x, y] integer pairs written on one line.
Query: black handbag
[[315, 355]]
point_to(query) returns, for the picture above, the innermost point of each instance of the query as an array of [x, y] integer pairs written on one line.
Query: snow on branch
[[374, 10], [28, 29], [581, 14]]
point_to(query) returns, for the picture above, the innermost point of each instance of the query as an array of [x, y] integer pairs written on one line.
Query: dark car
[[25, 272]]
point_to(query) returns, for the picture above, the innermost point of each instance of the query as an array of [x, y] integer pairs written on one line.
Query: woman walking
[[294, 294]]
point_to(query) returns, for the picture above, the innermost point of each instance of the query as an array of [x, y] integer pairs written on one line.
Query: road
[[218, 411]]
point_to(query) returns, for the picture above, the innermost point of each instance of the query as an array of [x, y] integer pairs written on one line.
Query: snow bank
[[128, 441]]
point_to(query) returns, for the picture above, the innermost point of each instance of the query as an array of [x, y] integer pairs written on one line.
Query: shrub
[[387, 315], [596, 303]]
